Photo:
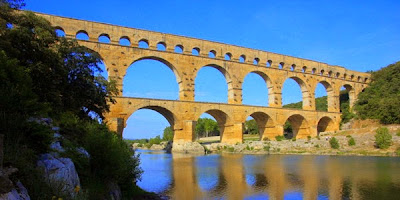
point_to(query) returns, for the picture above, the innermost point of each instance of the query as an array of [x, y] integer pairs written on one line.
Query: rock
[[7, 189], [157, 147], [59, 172], [18, 193], [114, 191], [56, 146], [83, 152], [188, 147]]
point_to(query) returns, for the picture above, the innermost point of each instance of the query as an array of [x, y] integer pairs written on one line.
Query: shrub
[[279, 137], [267, 148], [267, 139], [111, 160], [294, 139], [231, 149], [334, 143], [351, 141], [308, 137], [398, 132], [316, 146], [248, 148], [383, 139], [398, 151]]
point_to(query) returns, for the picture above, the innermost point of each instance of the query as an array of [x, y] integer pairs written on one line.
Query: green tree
[[251, 127], [383, 139], [334, 143], [168, 134], [43, 75], [381, 100], [205, 126]]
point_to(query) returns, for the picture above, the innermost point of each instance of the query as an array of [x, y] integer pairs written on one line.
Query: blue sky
[[358, 35]]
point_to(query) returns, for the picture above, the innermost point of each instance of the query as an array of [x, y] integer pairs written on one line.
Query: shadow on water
[[236, 176]]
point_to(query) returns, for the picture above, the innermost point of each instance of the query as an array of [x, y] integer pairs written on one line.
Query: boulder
[[9, 190], [17, 193], [59, 172], [188, 147], [157, 147]]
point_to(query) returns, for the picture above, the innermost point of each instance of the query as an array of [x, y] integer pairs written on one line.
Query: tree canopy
[[206, 127], [381, 99]]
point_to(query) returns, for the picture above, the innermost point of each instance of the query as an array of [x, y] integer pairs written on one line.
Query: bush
[[334, 143], [267, 148], [383, 139], [111, 160], [308, 138], [279, 137], [398, 151], [294, 139], [398, 132], [351, 141]]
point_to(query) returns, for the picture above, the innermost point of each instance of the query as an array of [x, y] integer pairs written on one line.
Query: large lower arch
[[166, 113], [268, 83], [325, 124], [266, 126], [167, 90], [224, 123], [300, 126], [306, 96], [226, 75]]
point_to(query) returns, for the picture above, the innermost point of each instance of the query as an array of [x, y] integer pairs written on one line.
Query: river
[[238, 176]]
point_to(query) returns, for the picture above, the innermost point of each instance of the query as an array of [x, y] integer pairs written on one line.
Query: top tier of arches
[[117, 35]]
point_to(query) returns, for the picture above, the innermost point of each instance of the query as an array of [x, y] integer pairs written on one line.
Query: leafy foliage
[[351, 141], [334, 143], [168, 134], [383, 139], [251, 127], [381, 100], [206, 127], [44, 76]]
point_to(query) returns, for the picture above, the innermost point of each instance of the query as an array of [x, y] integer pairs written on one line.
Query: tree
[[334, 143], [62, 72], [168, 134], [205, 126], [383, 139], [251, 127], [381, 100]]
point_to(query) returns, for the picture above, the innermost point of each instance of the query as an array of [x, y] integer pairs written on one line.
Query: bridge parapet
[[258, 58]]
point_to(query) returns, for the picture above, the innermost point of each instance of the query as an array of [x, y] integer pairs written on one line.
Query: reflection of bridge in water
[[274, 176], [186, 56]]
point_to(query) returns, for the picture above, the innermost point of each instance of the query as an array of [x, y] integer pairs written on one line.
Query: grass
[[250, 137]]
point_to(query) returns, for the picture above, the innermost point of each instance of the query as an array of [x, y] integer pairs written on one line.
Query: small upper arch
[[124, 41], [143, 43], [82, 35], [104, 38], [178, 48]]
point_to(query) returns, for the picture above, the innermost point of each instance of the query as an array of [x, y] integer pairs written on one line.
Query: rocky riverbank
[[363, 136]]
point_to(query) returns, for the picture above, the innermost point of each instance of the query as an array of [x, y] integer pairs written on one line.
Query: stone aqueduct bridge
[[234, 63]]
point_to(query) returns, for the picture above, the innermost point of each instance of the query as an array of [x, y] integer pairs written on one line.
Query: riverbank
[[363, 144]]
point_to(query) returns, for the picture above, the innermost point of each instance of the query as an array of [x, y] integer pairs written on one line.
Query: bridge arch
[[165, 112], [223, 120], [305, 92], [325, 124], [224, 72], [265, 123], [300, 126], [267, 82], [164, 62], [351, 95], [330, 99]]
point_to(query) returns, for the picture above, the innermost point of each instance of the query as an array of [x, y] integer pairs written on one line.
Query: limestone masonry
[[186, 56]]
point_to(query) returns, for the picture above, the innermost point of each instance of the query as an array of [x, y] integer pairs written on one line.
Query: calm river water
[[237, 176]]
